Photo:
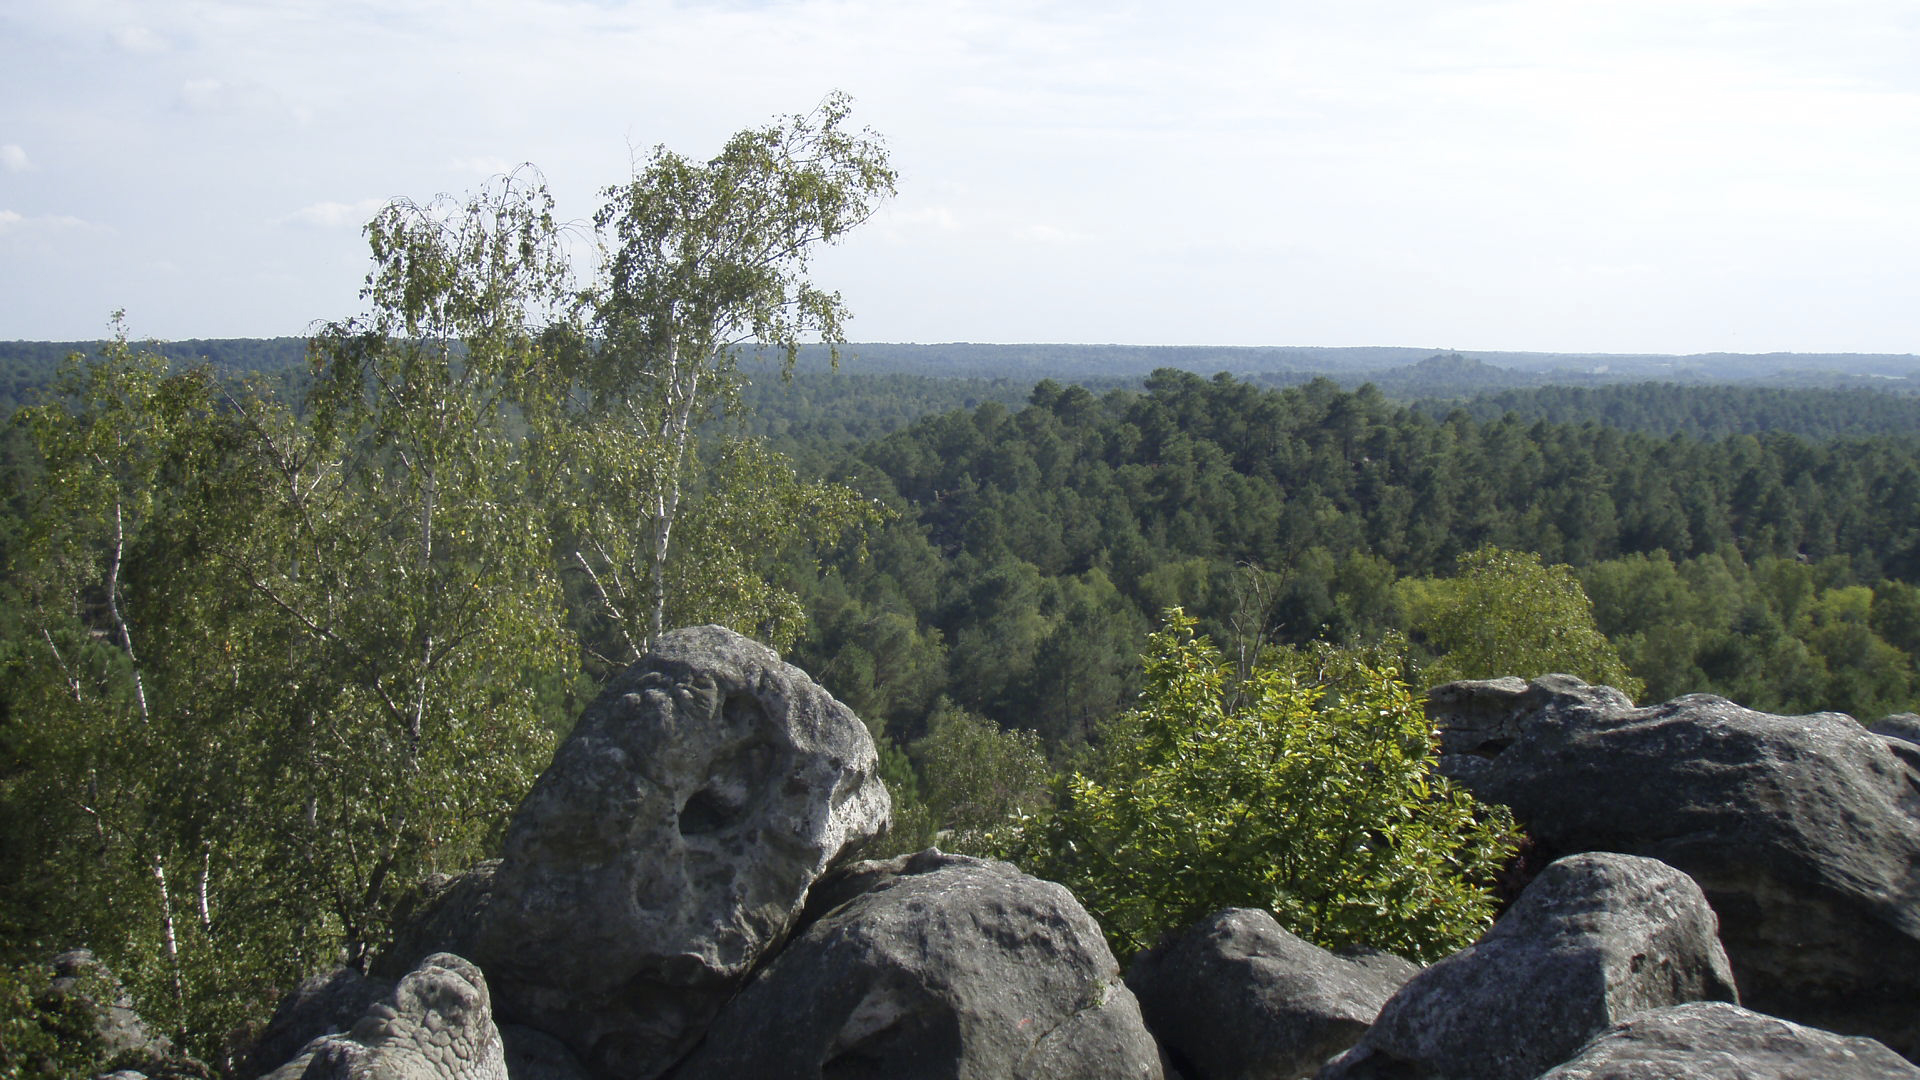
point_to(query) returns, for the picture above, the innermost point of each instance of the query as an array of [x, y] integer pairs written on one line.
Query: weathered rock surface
[[1803, 830], [1594, 939], [325, 1004], [437, 1024], [1716, 1041], [935, 965], [332, 1003], [1904, 726], [1238, 997], [670, 844]]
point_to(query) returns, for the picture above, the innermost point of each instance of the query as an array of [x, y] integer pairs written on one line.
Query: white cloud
[[13, 222], [482, 165], [214, 96], [14, 159], [937, 218], [1042, 233], [138, 39], [334, 215]]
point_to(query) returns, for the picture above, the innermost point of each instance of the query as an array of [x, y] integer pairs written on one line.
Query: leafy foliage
[[267, 667], [44, 1038], [1507, 613], [1313, 797], [699, 258], [981, 781]]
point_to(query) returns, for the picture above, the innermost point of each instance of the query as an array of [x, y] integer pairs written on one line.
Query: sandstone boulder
[[935, 965], [668, 847], [1903, 726], [1237, 997], [1594, 939], [1717, 1041], [325, 1004], [1803, 830], [437, 1024]]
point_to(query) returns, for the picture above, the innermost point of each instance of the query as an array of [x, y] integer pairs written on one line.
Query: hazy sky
[[1610, 175]]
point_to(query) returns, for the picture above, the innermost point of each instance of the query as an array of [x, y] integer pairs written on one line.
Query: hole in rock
[[736, 783]]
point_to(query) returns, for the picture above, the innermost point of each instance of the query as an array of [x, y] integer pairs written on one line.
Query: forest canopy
[[283, 636]]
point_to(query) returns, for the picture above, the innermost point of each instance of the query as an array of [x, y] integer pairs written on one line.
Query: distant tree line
[[1034, 548]]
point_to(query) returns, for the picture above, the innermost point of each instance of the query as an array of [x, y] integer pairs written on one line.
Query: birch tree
[[700, 259]]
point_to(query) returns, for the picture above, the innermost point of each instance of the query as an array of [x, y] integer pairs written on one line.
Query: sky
[[1672, 176]]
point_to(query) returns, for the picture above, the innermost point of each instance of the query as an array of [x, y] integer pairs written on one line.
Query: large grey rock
[[325, 1004], [331, 1003], [935, 965], [1237, 997], [668, 847], [1803, 830], [1904, 726], [1716, 1041], [437, 1024], [1594, 939]]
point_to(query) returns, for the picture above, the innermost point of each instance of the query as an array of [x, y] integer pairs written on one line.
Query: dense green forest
[[1702, 412], [289, 625], [274, 649], [983, 565], [1033, 548]]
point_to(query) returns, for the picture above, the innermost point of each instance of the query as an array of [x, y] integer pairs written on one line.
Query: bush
[[1507, 613], [974, 787], [1308, 790], [45, 1036]]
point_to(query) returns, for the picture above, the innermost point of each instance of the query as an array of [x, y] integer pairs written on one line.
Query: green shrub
[[1307, 789], [45, 1036]]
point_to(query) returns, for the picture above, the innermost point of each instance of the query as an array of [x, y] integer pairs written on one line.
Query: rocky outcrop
[[1594, 939], [1237, 997], [1903, 726], [436, 1024], [1716, 1041], [668, 847], [935, 965], [1804, 831], [325, 1004]]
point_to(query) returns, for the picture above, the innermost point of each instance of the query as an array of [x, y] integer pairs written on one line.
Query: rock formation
[[935, 965], [437, 1024], [1594, 939], [1717, 1041], [1237, 997], [1804, 831], [325, 1004], [674, 899], [668, 847]]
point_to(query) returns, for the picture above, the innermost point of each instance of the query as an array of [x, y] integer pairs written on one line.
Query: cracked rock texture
[[1238, 997], [437, 1024], [1804, 831], [935, 965], [1594, 939], [1716, 1041]]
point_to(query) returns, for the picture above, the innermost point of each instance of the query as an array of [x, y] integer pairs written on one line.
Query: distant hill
[[1279, 364], [1006, 372]]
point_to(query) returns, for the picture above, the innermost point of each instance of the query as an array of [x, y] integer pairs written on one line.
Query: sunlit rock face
[[1718, 1041], [668, 847], [1593, 940], [934, 965], [435, 1024], [1804, 831], [1236, 996]]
